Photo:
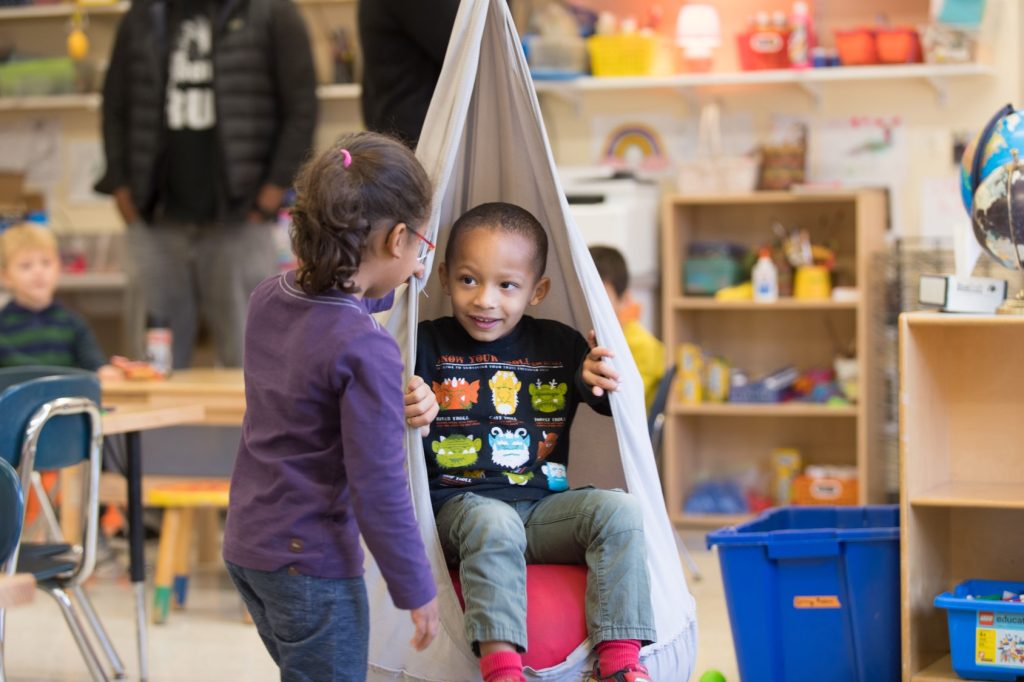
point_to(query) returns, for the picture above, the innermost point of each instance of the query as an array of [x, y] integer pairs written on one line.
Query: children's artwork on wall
[[32, 147], [944, 220], [862, 151], [645, 144], [84, 168]]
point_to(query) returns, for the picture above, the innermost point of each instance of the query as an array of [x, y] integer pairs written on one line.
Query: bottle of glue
[[765, 278]]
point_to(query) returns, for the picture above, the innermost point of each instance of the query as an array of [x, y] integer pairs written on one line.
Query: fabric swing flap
[[484, 140]]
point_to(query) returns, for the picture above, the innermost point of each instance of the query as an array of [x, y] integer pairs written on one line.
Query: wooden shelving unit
[[760, 338], [961, 483]]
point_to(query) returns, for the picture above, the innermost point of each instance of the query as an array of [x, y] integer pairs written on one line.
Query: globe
[[995, 200]]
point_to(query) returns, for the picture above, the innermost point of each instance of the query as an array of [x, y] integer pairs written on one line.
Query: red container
[[857, 47], [898, 45], [765, 49]]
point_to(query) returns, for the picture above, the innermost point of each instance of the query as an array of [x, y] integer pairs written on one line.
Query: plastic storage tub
[[814, 594], [986, 638], [622, 55]]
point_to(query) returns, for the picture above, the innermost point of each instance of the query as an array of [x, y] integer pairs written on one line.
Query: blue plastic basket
[[986, 638], [813, 594]]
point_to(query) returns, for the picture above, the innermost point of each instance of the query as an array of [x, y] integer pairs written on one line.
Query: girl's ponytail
[[364, 179]]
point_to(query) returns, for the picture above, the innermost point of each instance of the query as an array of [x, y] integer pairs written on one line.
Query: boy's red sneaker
[[634, 673]]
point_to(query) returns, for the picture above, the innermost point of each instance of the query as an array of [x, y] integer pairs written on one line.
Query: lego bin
[[986, 638], [814, 593]]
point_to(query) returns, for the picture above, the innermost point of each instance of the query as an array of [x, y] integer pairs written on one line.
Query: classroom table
[[218, 393], [130, 420], [221, 392]]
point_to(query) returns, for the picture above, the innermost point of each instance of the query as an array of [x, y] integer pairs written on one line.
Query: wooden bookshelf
[[721, 439]]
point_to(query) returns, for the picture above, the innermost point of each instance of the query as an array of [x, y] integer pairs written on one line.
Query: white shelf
[[808, 79], [341, 91], [710, 521], [50, 102], [91, 101], [790, 409], [61, 9], [786, 303], [64, 9]]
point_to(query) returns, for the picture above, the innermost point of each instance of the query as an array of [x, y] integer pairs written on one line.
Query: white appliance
[[620, 210]]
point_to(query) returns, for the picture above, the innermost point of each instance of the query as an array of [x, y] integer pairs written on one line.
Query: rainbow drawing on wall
[[635, 146]]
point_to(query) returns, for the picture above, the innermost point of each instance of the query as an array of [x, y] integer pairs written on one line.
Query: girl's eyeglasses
[[430, 245]]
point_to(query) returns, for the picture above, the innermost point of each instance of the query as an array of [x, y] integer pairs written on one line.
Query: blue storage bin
[[814, 594], [986, 638]]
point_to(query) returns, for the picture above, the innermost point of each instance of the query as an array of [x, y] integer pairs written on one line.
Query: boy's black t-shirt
[[506, 408]]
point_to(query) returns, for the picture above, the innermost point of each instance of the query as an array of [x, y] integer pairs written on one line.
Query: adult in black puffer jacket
[[209, 108]]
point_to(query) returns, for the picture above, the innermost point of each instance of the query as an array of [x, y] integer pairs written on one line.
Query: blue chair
[[656, 416], [51, 421], [655, 427], [12, 511]]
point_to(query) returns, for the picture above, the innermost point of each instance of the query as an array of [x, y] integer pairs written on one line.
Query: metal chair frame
[[73, 581]]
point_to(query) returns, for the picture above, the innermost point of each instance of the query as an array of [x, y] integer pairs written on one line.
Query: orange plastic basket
[[624, 55]]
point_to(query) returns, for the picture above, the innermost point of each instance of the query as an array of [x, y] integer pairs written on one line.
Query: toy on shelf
[[770, 389], [986, 641], [821, 485], [711, 266], [786, 464], [764, 44], [690, 379]]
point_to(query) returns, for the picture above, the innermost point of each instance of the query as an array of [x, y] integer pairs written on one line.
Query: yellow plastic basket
[[623, 55]]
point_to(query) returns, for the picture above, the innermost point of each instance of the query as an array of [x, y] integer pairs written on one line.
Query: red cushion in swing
[[555, 611]]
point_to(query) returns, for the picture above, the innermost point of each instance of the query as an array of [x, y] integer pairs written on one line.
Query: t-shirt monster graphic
[[505, 408]]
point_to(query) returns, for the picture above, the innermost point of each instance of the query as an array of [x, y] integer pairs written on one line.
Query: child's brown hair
[[342, 194], [22, 238], [611, 266]]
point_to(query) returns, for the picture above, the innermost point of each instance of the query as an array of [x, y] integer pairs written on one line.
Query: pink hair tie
[[346, 158]]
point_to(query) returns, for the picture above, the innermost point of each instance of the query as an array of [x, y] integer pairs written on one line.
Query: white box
[[972, 295]]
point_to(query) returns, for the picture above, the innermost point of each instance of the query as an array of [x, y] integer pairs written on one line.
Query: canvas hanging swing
[[484, 140]]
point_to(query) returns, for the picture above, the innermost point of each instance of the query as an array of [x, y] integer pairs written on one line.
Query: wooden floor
[[211, 643]]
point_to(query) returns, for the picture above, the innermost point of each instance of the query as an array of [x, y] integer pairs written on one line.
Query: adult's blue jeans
[[316, 629]]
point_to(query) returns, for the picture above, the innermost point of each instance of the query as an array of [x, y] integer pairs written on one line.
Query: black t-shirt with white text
[[190, 169]]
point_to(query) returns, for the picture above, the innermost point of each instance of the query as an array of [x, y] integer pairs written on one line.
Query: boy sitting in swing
[[508, 386]]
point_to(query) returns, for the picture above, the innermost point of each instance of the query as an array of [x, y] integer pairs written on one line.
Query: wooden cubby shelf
[[961, 479], [720, 439], [940, 671]]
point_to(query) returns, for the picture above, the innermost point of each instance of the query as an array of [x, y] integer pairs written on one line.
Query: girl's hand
[[420, 405], [597, 374], [427, 620]]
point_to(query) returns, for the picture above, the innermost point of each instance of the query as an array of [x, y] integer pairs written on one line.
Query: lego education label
[[999, 639]]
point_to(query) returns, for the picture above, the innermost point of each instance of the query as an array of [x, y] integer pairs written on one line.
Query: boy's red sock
[[615, 654], [502, 666]]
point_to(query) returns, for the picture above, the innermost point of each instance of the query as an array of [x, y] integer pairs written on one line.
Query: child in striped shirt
[[35, 329]]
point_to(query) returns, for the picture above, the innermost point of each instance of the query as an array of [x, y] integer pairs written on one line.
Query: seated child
[[34, 329], [647, 350], [508, 386]]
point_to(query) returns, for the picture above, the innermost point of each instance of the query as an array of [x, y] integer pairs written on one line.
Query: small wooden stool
[[180, 501]]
